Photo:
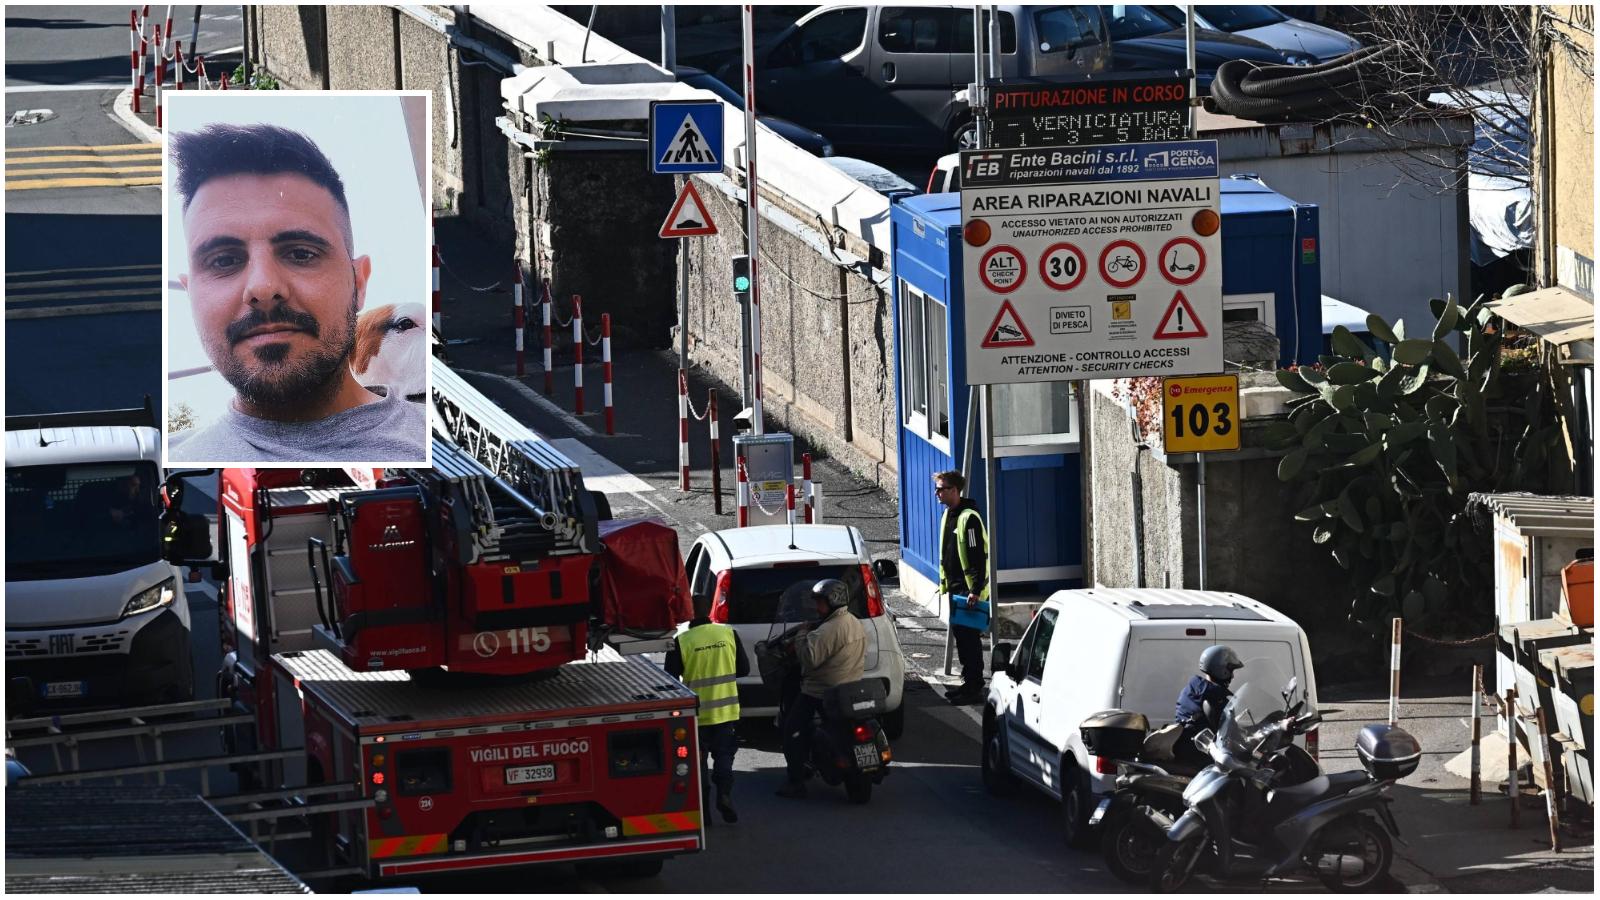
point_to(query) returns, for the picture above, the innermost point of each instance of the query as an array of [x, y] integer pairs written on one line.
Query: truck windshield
[[83, 519]]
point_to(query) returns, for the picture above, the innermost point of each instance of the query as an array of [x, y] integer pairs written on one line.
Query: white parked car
[[1271, 26], [1110, 648], [746, 570]]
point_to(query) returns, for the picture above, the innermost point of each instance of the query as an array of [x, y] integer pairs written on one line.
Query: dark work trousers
[[720, 742], [798, 725], [969, 649]]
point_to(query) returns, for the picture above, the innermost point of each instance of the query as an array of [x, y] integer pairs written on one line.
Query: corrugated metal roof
[[1538, 512], [393, 700]]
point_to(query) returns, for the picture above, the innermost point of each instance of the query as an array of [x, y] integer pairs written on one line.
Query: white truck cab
[[1108, 648], [94, 604]]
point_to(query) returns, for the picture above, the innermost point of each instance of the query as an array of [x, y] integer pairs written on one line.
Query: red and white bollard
[[788, 500], [744, 495], [517, 311], [166, 50], [716, 451], [805, 481], [178, 71], [161, 76], [133, 50], [438, 295], [605, 370], [222, 83], [683, 431], [577, 353], [549, 370], [201, 82], [138, 85]]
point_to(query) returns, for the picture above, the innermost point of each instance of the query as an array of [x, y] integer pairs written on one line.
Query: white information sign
[[1092, 262]]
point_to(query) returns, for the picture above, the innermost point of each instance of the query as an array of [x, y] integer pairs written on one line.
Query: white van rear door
[[1161, 658]]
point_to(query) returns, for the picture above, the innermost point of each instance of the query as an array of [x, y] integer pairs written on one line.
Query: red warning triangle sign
[[1180, 321], [1007, 330], [688, 217]]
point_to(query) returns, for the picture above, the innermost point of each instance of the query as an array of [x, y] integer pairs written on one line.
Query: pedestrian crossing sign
[[685, 136]]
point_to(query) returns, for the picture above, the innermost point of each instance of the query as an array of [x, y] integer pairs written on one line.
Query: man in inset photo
[[275, 288]]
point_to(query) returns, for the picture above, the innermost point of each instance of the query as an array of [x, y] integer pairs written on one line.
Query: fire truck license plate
[[54, 689], [530, 774], [866, 756]]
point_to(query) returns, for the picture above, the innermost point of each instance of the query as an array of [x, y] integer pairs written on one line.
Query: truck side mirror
[[191, 539], [1000, 656]]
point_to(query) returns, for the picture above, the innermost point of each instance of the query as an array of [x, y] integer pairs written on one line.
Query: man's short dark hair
[[220, 150], [953, 479]]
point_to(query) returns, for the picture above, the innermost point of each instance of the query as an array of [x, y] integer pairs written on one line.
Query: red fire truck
[[440, 642]]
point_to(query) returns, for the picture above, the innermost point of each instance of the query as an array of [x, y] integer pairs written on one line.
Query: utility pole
[[752, 219]]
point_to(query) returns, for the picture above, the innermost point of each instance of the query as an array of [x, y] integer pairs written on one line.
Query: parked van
[[95, 606], [886, 75], [1104, 648]]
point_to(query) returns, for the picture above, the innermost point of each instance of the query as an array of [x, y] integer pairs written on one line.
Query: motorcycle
[[1244, 823], [849, 746], [1149, 773]]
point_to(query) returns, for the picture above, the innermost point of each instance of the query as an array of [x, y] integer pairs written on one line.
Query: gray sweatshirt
[[393, 430]]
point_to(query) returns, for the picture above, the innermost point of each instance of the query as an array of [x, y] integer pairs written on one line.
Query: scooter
[[849, 746], [1244, 824]]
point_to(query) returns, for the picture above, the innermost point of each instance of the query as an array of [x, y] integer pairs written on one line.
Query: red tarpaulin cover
[[642, 581]]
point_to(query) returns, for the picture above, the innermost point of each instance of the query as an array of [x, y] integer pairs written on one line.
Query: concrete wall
[[827, 351], [1571, 150]]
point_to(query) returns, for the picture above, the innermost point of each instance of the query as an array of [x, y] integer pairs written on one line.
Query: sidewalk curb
[[122, 110]]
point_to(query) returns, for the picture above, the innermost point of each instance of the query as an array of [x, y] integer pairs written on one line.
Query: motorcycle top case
[[857, 700], [1388, 752], [1116, 733], [977, 617]]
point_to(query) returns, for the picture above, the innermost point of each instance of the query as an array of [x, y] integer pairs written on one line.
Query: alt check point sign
[[685, 136], [1107, 258]]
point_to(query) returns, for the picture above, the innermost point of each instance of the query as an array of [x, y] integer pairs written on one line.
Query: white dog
[[392, 348]]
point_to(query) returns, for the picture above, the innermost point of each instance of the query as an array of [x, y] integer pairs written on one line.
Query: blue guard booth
[[1270, 273]]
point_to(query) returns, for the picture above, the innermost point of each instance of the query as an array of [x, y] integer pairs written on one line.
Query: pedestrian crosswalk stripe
[[156, 266], [51, 312], [37, 294], [81, 282], [73, 295], [115, 165], [82, 182]]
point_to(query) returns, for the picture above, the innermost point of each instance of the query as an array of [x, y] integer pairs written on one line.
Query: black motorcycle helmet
[[833, 591], [1219, 662]]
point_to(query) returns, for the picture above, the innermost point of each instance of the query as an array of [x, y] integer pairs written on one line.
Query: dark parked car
[[1144, 40], [875, 176], [793, 132]]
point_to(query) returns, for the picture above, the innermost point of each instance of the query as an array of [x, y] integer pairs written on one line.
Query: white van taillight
[[1312, 743], [874, 593], [1105, 765], [719, 600]]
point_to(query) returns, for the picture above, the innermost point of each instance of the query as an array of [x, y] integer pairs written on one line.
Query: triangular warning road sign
[[688, 217], [1007, 330], [687, 147], [1180, 321]]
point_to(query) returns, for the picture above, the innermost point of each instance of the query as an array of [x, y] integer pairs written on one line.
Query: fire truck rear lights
[[378, 759], [683, 752], [379, 739], [681, 769], [680, 734], [377, 778], [677, 712], [380, 795]]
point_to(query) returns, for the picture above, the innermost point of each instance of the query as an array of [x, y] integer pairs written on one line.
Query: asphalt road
[[83, 211]]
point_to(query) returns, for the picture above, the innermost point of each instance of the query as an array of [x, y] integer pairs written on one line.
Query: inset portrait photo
[[298, 278]]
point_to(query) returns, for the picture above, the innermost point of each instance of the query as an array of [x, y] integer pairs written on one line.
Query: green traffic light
[[741, 283]]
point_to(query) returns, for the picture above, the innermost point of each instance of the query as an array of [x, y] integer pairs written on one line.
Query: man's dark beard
[[310, 381]]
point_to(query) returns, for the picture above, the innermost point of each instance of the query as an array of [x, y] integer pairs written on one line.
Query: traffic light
[[741, 279]]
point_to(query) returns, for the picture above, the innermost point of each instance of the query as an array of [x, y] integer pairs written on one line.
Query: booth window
[[1040, 417], [925, 366], [1249, 308]]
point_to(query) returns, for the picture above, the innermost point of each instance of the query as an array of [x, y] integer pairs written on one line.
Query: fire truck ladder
[[539, 478]]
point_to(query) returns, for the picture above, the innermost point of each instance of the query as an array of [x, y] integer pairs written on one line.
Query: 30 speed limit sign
[[1200, 413]]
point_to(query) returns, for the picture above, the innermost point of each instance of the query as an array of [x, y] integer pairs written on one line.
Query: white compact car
[[746, 570], [1118, 648]]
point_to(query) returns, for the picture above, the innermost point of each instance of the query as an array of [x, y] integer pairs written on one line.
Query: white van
[[1128, 648], [95, 607]]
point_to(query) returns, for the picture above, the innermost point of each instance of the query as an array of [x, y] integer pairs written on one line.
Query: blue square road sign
[[685, 136]]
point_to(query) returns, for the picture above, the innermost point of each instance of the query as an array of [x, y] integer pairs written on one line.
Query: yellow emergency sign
[[1200, 413]]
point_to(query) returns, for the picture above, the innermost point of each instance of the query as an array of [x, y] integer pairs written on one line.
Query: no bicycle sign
[[1092, 262]]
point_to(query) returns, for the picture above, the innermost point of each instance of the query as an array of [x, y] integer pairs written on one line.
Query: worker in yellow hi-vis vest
[[710, 658], [964, 574]]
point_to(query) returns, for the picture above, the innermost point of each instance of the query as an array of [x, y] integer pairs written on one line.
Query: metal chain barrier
[[699, 416], [594, 341], [1443, 642], [465, 283]]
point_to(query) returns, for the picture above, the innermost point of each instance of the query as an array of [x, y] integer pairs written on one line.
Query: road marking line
[[92, 147], [51, 312], [76, 295], [12, 162], [599, 473], [156, 266], [60, 88], [86, 170], [153, 277], [82, 182], [539, 400]]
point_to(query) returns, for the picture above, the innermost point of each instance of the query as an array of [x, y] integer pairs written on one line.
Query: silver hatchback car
[[745, 571]]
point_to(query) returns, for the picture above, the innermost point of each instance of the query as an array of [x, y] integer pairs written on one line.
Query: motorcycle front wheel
[[1130, 844], [1175, 864], [1352, 854]]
